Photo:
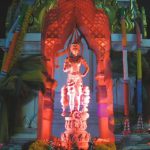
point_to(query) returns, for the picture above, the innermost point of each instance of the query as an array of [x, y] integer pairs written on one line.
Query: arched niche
[[93, 24]]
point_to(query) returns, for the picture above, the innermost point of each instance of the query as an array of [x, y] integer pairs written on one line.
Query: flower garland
[[21, 36], [39, 145], [9, 56], [7, 60], [55, 143]]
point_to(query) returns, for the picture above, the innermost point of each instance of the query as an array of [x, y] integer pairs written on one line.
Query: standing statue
[[74, 92], [76, 95]]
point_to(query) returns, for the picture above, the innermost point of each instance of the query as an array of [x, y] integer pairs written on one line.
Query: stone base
[[80, 139], [75, 133]]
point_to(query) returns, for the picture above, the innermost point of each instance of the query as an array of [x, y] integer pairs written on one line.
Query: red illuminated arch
[[94, 26]]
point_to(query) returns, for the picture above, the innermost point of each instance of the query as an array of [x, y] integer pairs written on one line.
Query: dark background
[[4, 4]]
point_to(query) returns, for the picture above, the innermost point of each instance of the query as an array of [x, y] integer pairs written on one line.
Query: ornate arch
[[94, 26]]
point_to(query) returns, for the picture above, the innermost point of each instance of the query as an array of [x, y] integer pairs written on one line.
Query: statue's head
[[75, 49]]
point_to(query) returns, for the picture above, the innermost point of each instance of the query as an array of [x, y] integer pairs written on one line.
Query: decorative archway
[[94, 26]]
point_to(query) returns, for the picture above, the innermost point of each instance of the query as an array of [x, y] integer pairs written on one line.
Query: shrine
[[77, 74], [55, 33]]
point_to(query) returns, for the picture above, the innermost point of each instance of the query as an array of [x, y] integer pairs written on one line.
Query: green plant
[[39, 145], [107, 146], [16, 89]]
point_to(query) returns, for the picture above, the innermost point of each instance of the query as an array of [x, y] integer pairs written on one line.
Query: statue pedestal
[[75, 133]]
